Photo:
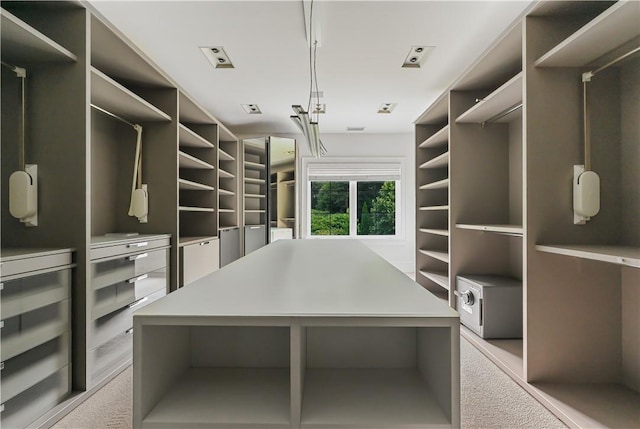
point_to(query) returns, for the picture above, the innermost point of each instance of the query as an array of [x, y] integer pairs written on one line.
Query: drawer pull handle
[[137, 279], [254, 227], [1, 366], [129, 331], [1, 286], [1, 408], [138, 302], [204, 243], [135, 257], [141, 244], [1, 324]]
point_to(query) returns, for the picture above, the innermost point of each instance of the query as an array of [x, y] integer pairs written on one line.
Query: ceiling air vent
[[217, 57]]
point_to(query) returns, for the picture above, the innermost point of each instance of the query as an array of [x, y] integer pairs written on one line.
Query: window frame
[[353, 199]]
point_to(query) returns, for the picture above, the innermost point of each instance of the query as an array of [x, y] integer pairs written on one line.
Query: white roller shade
[[362, 172]]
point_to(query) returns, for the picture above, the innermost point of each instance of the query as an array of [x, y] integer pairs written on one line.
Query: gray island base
[[299, 334]]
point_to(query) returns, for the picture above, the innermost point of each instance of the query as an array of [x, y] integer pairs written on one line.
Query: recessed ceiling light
[[217, 57], [251, 109], [387, 107], [416, 56], [355, 128]]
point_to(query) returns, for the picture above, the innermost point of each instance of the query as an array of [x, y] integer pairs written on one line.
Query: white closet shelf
[[253, 148], [109, 95], [187, 161], [186, 241], [607, 31], [621, 255], [439, 277], [500, 100], [289, 219], [225, 397], [189, 138], [437, 162], [440, 184], [254, 211], [289, 182], [191, 112], [254, 196], [443, 232], [253, 165], [188, 185], [223, 174], [342, 398], [436, 254], [433, 208], [224, 156], [225, 192], [226, 211], [500, 229], [22, 43], [440, 138], [196, 209], [254, 181]]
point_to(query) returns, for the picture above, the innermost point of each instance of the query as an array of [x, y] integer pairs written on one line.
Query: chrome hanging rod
[[502, 114], [113, 115], [21, 73], [613, 62]]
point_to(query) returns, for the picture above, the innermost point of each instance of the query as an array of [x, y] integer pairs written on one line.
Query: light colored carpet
[[489, 400]]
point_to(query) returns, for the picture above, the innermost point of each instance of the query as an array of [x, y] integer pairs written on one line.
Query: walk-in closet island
[[298, 334]]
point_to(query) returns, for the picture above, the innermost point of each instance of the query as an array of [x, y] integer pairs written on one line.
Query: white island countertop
[[304, 278]]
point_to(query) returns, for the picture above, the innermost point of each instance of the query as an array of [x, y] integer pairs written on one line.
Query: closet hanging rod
[[613, 62], [113, 115], [502, 114]]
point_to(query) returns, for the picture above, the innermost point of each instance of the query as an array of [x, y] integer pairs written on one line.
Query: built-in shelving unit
[[515, 132], [432, 198]]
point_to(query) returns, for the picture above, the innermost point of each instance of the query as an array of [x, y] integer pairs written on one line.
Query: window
[[353, 200]]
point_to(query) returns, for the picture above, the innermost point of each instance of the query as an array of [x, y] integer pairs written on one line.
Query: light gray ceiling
[[363, 45]]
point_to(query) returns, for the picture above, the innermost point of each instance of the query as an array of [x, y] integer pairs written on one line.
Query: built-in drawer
[[199, 259], [31, 367], [229, 245], [254, 238], [116, 248], [106, 358], [113, 297], [26, 261], [107, 327], [26, 407], [29, 293], [121, 268], [28, 330]]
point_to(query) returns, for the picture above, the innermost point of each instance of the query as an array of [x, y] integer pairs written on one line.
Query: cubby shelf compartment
[[189, 138], [607, 31], [433, 208], [500, 229], [440, 138], [499, 101], [621, 255], [22, 43], [225, 174], [109, 95], [439, 277], [188, 185], [440, 184], [253, 165], [196, 209], [436, 254], [211, 397], [255, 181], [443, 232], [437, 162], [507, 354], [342, 398], [224, 156], [187, 161]]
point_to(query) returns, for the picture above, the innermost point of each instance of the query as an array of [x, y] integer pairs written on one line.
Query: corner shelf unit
[[256, 178], [510, 214]]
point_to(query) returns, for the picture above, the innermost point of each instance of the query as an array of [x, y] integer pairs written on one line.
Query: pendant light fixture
[[304, 120]]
